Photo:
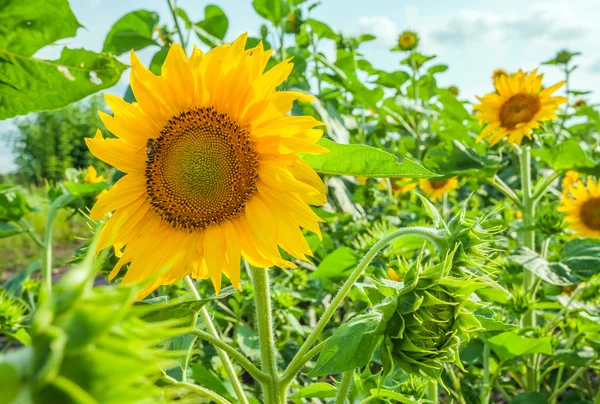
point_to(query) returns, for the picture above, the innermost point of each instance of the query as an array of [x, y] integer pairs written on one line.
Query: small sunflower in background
[[517, 108], [399, 185], [212, 169], [408, 40], [435, 190], [92, 177], [582, 206]]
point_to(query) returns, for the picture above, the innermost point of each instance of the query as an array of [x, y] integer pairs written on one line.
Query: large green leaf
[[8, 229], [568, 155], [272, 10], [509, 345], [132, 31], [214, 26], [26, 26], [335, 265], [30, 84], [457, 159], [316, 390], [321, 30], [582, 256], [362, 160], [351, 346], [555, 273]]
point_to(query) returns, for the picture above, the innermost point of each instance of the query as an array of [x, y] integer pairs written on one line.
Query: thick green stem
[[47, 250], [501, 186], [32, 233], [299, 360], [485, 390], [344, 387], [528, 240], [212, 330], [432, 392], [272, 389]]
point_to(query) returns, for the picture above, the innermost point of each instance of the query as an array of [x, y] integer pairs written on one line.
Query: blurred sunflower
[[571, 177], [212, 169], [399, 185], [434, 190], [92, 177], [582, 206], [517, 108], [408, 40]]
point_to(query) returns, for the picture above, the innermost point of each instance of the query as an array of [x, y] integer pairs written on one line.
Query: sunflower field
[[269, 218]]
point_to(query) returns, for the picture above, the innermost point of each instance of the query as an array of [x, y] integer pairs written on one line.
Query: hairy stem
[[485, 391], [47, 250], [344, 387], [201, 391], [173, 8]]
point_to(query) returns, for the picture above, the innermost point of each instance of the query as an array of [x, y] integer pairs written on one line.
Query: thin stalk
[[212, 330], [273, 393], [32, 233], [173, 8], [501, 186], [566, 384], [239, 358], [543, 185], [47, 248], [432, 392], [298, 361], [201, 391], [281, 42], [485, 391], [528, 240], [344, 387]]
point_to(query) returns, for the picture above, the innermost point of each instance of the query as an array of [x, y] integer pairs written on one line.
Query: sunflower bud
[[427, 316], [548, 220], [12, 312]]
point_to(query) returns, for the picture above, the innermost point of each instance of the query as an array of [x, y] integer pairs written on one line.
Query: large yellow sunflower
[[518, 107], [582, 206], [434, 190], [212, 169]]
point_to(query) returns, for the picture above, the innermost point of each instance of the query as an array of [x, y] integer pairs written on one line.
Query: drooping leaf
[[351, 346], [321, 29], [362, 160], [582, 256], [454, 158], [26, 26], [452, 105], [509, 345], [555, 273], [214, 26], [132, 31], [316, 390], [578, 356], [30, 84]]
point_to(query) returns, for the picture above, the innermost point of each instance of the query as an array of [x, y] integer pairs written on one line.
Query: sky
[[472, 37]]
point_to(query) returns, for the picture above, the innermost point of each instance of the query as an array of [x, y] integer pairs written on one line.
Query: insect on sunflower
[[434, 190], [212, 169], [582, 206], [518, 107]]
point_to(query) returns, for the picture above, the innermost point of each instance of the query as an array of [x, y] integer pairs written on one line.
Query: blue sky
[[473, 37]]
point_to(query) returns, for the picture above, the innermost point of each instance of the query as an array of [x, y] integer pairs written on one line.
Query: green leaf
[[582, 256], [362, 160], [272, 10], [26, 26], [30, 84], [8, 229], [437, 69], [13, 205], [351, 346], [452, 105], [530, 398], [390, 394], [171, 311], [213, 26], [454, 158], [433, 213], [247, 339], [393, 79], [568, 155], [555, 273], [336, 264], [488, 323], [157, 60], [509, 345], [132, 31], [321, 30], [85, 189], [316, 390], [578, 356]]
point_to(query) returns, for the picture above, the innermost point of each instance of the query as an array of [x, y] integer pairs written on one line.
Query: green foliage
[[48, 143], [134, 30]]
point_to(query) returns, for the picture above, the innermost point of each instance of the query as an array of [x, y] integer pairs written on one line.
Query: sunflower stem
[[344, 387], [173, 8], [272, 390], [528, 240], [485, 390], [212, 330], [432, 392], [201, 391], [300, 358]]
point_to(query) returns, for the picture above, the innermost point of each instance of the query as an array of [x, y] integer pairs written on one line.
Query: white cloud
[[382, 27]]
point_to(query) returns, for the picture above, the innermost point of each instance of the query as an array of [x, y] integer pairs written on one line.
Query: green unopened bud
[[12, 312], [548, 220], [264, 31], [426, 318]]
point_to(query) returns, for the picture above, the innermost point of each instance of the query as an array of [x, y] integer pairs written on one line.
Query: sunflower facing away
[[517, 108], [212, 169], [434, 190], [582, 206]]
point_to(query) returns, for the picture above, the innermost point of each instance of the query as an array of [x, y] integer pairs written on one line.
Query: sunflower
[[582, 206], [212, 169], [571, 177], [408, 40], [399, 185], [92, 177], [518, 107], [434, 190]]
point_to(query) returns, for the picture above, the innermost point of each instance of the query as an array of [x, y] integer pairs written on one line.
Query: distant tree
[[49, 142]]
